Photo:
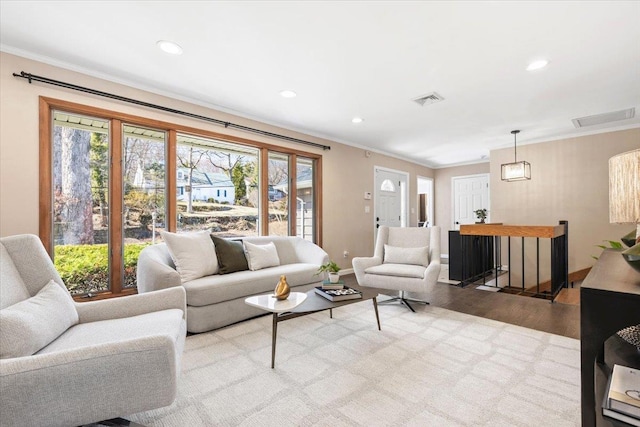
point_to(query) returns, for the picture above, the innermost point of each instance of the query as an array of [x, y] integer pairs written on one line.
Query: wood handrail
[[542, 231]]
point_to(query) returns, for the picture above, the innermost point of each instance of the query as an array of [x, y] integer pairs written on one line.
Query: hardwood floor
[[534, 313]]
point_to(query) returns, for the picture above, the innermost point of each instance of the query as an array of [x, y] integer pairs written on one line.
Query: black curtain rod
[[32, 77]]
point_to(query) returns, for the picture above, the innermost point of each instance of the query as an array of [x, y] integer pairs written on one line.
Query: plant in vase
[[481, 214], [332, 269]]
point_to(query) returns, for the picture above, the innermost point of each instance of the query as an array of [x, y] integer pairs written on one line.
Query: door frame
[[453, 194], [407, 195], [430, 207]]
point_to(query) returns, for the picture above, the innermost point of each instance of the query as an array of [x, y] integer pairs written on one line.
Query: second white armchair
[[405, 259]]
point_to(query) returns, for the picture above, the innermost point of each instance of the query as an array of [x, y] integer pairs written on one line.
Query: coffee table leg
[[375, 307], [274, 332]]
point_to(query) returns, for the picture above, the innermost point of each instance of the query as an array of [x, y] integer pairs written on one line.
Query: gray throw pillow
[[230, 255], [192, 253], [35, 322]]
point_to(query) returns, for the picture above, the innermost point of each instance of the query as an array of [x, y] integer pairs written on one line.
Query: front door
[[390, 198], [469, 194]]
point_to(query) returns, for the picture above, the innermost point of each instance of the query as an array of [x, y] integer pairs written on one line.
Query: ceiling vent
[[599, 119], [432, 98]]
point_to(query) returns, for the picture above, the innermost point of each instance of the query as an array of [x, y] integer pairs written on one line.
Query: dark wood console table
[[609, 302]]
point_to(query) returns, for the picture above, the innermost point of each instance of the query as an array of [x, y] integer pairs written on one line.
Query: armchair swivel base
[[404, 300]]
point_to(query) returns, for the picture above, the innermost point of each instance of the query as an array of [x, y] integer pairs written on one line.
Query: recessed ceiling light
[[169, 47], [536, 65], [288, 94], [357, 120]]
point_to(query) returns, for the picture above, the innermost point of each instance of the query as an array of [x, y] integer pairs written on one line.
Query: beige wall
[[347, 173], [569, 181], [443, 202]]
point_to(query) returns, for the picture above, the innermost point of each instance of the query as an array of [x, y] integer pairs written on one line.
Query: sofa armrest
[[360, 264], [155, 270], [76, 387], [133, 305], [310, 253]]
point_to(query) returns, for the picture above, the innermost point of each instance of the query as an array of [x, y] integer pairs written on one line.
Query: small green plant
[[612, 244], [481, 214], [330, 267]]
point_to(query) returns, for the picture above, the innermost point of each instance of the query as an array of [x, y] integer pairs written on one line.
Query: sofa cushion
[[13, 289], [230, 255], [399, 270], [261, 256], [242, 284], [193, 254], [33, 323], [402, 255], [165, 322]]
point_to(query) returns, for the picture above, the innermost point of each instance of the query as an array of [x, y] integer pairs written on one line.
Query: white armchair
[[64, 363], [405, 259]]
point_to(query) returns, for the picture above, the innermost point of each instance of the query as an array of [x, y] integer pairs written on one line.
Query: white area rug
[[431, 368]]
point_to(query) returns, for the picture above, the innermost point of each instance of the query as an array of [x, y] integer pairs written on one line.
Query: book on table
[[328, 285], [622, 400], [339, 294]]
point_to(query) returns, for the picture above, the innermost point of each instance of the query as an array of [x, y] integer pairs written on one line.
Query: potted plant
[[332, 268], [481, 214]]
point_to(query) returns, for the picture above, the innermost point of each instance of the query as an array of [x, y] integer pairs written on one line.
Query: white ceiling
[[365, 58]]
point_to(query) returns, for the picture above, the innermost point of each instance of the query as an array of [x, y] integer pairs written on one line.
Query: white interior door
[[469, 194], [390, 198]]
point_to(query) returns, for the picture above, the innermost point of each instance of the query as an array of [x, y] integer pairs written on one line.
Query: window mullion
[[264, 192], [293, 191], [171, 193], [116, 216]]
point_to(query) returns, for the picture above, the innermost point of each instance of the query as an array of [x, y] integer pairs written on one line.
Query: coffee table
[[301, 304]]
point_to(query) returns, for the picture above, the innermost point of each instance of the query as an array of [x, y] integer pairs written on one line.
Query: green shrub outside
[[85, 268]]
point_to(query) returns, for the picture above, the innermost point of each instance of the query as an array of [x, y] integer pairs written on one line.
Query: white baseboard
[[346, 271]]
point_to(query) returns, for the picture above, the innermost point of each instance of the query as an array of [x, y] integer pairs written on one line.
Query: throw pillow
[[230, 255], [35, 322], [413, 256], [193, 254], [261, 256]]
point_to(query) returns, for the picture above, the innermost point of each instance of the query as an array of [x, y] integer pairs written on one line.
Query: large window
[[278, 174], [217, 187], [143, 179], [111, 182], [305, 189], [80, 215]]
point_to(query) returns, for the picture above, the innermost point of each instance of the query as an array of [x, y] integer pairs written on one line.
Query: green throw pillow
[[230, 255]]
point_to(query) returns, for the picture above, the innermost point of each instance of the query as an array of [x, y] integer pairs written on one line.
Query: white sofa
[[218, 300], [64, 363]]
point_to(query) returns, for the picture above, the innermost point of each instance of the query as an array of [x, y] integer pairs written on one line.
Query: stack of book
[[337, 285], [345, 293], [622, 400]]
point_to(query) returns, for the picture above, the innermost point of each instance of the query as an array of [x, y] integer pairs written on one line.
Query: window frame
[[47, 106]]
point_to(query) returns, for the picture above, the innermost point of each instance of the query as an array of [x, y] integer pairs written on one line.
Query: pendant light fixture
[[516, 171]]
